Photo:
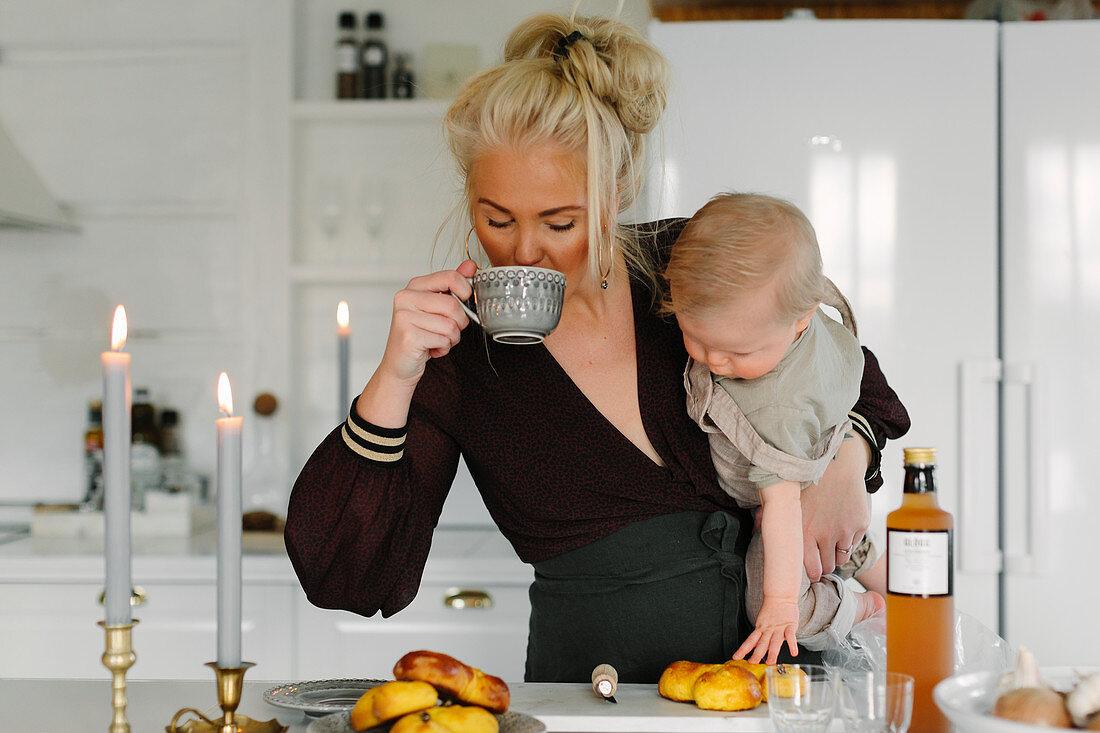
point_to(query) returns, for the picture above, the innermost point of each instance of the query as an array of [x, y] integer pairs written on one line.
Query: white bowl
[[967, 699]]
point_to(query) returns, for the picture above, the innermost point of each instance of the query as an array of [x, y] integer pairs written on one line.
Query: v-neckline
[[635, 306]]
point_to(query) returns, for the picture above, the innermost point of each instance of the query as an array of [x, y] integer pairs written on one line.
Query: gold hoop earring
[[468, 243], [604, 274]]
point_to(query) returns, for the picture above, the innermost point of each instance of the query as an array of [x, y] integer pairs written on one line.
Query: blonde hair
[[736, 244], [593, 86]]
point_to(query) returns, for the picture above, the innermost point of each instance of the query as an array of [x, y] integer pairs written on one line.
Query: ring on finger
[[844, 550]]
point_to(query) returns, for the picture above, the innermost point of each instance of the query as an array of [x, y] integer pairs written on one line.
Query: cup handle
[[470, 313]]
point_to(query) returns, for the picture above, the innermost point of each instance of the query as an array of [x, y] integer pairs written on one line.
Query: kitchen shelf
[[369, 110]]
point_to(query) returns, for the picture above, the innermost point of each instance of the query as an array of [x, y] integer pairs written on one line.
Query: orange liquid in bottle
[[920, 608]]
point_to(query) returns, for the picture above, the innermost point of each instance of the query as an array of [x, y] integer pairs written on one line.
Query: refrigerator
[[952, 172]]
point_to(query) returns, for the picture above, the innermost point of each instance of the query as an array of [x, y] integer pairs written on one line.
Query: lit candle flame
[[225, 395], [118, 329], [342, 314]]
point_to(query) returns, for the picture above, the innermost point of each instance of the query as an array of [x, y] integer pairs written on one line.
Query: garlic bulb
[[1084, 700], [1026, 674]]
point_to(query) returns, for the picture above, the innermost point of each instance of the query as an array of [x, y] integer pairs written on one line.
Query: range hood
[[24, 199]]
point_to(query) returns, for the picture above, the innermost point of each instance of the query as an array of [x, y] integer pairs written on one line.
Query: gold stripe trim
[[863, 422], [371, 437], [370, 454]]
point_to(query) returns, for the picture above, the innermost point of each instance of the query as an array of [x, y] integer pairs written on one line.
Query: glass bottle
[[93, 457], [402, 86], [172, 460], [373, 57], [145, 473], [920, 608], [347, 52]]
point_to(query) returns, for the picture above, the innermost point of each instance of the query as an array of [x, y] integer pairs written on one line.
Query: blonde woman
[[771, 380], [580, 446]]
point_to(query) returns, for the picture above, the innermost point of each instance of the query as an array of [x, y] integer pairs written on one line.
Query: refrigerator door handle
[[1030, 561], [979, 546]]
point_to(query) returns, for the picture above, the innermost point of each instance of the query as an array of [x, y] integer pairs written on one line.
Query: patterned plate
[[510, 722], [319, 697]]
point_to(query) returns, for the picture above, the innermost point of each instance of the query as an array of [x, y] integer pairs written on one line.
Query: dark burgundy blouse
[[553, 472]]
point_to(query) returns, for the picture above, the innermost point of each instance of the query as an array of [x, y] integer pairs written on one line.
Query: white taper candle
[[229, 529], [116, 474]]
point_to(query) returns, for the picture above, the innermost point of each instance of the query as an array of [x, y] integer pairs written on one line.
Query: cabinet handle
[[137, 596], [465, 598]]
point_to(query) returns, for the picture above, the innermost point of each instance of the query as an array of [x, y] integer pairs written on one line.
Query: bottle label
[[373, 56], [345, 58], [919, 562]]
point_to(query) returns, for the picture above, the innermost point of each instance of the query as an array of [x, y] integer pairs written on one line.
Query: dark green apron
[[658, 590]]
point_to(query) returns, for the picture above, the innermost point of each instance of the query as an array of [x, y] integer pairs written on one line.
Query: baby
[[771, 379]]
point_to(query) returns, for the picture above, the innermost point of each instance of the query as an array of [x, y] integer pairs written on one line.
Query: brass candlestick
[[118, 657], [230, 681]]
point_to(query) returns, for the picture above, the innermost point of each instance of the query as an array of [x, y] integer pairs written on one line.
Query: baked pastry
[[448, 719], [463, 682], [391, 700], [729, 687], [757, 669], [678, 680]]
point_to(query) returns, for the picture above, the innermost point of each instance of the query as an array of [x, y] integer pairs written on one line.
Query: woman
[[581, 447]]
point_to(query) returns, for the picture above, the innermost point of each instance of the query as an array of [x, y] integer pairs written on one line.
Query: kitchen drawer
[[493, 638], [49, 630]]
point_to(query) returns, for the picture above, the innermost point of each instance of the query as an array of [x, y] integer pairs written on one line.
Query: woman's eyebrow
[[548, 212]]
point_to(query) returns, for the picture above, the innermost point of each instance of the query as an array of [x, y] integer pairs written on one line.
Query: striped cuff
[[379, 445], [861, 425]]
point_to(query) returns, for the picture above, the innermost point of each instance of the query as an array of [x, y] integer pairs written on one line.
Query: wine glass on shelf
[[372, 203]]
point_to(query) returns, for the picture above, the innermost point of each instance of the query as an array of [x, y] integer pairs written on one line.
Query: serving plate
[[967, 699], [319, 697], [510, 722]]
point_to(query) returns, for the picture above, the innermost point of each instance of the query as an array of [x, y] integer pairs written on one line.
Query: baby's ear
[[804, 321]]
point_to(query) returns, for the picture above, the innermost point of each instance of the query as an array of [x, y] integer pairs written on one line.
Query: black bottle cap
[[169, 418], [374, 20], [347, 20]]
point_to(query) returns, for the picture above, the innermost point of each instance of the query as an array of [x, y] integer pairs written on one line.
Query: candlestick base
[[230, 681], [118, 657]]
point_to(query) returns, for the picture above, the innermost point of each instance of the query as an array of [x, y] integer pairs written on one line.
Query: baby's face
[[739, 340]]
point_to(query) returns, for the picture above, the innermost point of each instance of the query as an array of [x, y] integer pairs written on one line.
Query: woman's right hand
[[427, 322]]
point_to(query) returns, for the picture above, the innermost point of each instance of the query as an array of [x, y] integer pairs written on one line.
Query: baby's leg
[[874, 577], [827, 609]]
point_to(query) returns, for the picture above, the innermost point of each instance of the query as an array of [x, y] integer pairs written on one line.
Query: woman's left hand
[[836, 512]]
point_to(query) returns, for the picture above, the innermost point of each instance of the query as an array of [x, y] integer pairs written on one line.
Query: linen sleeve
[[360, 522], [877, 416]]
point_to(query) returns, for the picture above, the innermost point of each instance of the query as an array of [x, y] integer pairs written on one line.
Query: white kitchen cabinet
[[49, 630], [484, 625]]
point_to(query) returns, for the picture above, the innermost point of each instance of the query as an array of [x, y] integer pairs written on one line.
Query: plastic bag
[[976, 647]]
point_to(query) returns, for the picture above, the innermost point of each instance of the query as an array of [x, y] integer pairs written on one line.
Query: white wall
[[166, 126]]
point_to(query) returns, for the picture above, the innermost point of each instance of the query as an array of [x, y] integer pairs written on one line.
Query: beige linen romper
[[802, 407]]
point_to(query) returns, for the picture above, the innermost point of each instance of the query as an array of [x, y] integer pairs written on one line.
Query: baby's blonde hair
[[739, 242], [595, 95]]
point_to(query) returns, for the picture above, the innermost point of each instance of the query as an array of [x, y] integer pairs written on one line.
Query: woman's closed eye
[[497, 224], [562, 227]]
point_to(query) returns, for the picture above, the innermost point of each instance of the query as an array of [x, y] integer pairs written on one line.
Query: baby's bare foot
[[868, 604]]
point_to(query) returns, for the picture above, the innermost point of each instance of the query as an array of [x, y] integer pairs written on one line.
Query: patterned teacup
[[517, 304]]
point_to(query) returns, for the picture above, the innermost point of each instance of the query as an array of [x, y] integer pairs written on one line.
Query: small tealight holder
[[230, 681], [118, 657]]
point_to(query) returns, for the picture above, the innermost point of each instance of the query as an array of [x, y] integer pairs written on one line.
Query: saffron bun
[[461, 681], [732, 686], [391, 700], [448, 719]]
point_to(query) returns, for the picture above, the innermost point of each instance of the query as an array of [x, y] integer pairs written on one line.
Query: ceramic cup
[[516, 304]]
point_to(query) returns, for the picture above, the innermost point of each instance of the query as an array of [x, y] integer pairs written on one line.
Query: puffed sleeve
[[878, 416], [362, 511]]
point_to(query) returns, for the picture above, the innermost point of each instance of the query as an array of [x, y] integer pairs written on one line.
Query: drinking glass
[[801, 697], [875, 702]]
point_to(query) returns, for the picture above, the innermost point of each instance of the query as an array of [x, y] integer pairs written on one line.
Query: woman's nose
[[527, 248]]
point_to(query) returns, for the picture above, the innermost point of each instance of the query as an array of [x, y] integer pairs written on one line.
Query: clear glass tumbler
[[879, 701], [801, 697]]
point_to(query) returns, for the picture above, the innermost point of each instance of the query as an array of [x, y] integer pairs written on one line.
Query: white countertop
[[456, 554], [63, 706]]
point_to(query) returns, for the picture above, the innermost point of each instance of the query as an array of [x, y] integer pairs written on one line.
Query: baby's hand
[[777, 622]]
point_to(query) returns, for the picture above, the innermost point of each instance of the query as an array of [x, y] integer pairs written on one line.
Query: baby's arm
[[781, 531]]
